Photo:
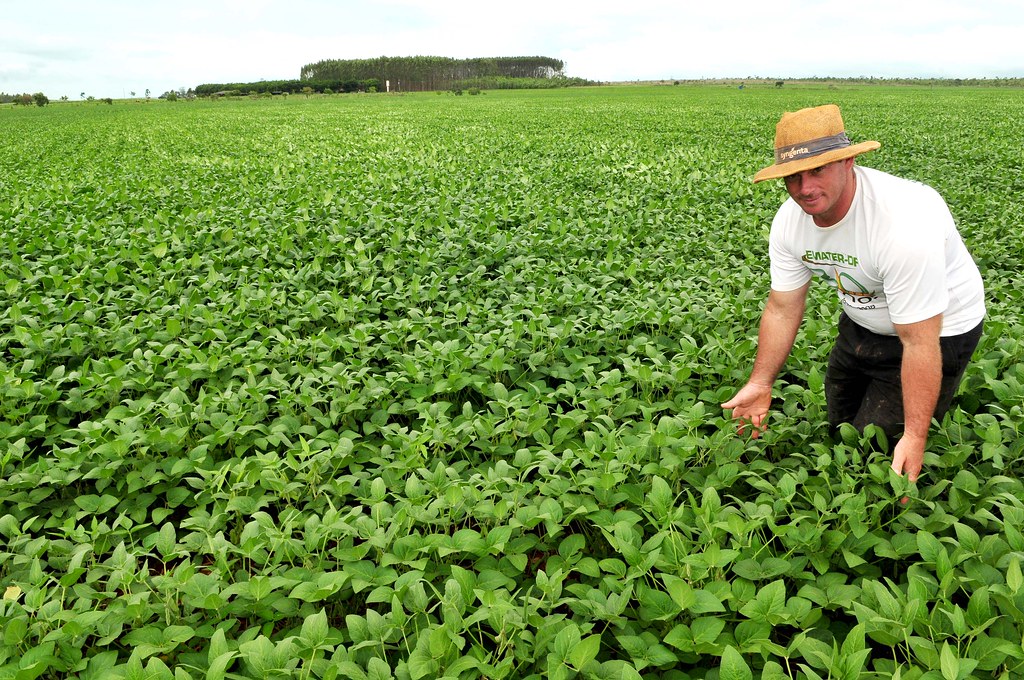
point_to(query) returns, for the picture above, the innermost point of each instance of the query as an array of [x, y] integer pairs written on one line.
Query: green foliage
[[418, 388], [428, 73], [268, 87], [505, 83]]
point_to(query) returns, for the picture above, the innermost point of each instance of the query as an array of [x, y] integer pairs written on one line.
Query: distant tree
[[23, 99], [40, 99], [82, 95], [64, 98], [170, 96], [132, 93], [147, 93], [409, 74]]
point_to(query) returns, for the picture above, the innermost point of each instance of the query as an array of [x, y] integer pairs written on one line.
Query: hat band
[[813, 147]]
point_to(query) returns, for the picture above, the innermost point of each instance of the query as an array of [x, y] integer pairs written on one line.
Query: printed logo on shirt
[[851, 291], [827, 258], [848, 285]]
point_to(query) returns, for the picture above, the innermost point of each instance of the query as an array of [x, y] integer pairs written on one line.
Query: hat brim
[[792, 167]]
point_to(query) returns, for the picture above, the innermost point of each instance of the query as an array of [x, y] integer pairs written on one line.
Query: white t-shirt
[[896, 257]]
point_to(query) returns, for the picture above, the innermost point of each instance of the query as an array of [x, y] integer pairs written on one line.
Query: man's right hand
[[750, 405]]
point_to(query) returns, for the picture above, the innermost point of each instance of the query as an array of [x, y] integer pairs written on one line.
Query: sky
[[112, 48]]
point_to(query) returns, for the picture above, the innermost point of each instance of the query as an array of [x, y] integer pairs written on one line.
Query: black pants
[[863, 384]]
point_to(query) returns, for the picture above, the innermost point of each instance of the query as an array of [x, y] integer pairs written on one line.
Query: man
[[912, 298]]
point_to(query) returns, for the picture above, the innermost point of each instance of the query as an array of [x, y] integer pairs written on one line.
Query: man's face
[[824, 193]]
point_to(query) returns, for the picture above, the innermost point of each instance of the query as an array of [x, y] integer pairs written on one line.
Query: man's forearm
[[780, 322], [921, 374]]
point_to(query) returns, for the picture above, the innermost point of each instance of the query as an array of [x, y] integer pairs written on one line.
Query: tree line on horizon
[[413, 74], [25, 99], [427, 73], [292, 86], [409, 74]]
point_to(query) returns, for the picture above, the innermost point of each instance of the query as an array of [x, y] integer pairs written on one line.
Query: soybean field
[[427, 386]]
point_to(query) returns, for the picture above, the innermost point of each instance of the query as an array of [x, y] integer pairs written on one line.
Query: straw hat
[[810, 138]]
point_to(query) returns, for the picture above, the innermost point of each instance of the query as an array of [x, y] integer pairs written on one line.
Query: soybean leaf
[[734, 666]]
